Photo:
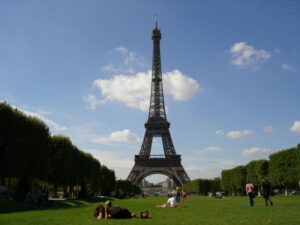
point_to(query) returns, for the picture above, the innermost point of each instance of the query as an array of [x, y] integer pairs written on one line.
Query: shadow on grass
[[9, 206]]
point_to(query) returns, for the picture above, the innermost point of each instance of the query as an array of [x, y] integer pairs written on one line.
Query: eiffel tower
[[157, 125]]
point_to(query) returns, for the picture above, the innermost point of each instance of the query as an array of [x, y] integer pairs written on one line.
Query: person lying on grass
[[116, 212], [99, 212], [171, 203]]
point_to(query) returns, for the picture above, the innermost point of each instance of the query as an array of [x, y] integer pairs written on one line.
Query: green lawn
[[199, 210]]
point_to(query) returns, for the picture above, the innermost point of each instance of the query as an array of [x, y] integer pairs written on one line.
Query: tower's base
[[158, 164]]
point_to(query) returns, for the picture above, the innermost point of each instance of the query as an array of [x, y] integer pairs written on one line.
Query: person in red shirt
[[184, 196]]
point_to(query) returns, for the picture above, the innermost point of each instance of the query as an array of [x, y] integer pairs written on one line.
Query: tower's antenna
[[155, 19]]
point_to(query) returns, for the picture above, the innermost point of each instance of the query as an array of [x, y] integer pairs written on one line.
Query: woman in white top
[[171, 203]]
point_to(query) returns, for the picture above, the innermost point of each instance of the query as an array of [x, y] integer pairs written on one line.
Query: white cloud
[[256, 152], [121, 60], [235, 134], [213, 149], [268, 129], [121, 50], [129, 56], [110, 68], [134, 91], [296, 127], [123, 136], [287, 67], [92, 101], [244, 54], [195, 172], [180, 86], [220, 132]]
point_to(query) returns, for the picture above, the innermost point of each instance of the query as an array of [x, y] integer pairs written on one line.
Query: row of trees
[[203, 186], [125, 188], [29, 153], [282, 170]]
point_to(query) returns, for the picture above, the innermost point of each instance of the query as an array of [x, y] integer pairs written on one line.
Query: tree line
[[282, 170], [203, 186], [32, 158]]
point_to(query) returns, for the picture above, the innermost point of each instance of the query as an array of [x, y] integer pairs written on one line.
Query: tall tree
[[95, 177], [251, 173], [60, 149], [238, 175], [192, 186], [226, 181], [298, 164], [108, 181], [6, 139], [283, 168], [261, 169]]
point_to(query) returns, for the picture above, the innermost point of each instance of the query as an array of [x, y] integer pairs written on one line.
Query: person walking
[[250, 193], [266, 189]]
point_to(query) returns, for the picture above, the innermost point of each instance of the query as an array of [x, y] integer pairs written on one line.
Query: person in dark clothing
[[266, 189], [109, 211], [116, 212]]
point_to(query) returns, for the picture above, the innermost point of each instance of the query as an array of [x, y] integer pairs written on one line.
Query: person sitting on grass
[[171, 203]]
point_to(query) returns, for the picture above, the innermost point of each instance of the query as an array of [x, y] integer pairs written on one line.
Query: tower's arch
[[160, 172]]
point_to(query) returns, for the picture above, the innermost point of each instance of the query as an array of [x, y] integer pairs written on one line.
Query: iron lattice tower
[[157, 125]]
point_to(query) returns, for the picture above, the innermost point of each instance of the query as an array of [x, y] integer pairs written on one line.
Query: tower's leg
[[146, 145]]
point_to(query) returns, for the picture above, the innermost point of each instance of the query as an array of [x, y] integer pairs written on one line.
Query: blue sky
[[231, 75]]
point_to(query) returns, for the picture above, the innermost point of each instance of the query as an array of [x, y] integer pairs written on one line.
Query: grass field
[[199, 210]]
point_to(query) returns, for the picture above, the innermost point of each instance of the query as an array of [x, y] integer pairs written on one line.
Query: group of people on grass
[[265, 190], [110, 211], [174, 199], [116, 212]]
